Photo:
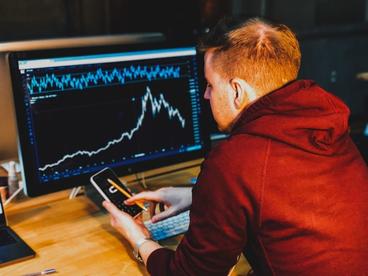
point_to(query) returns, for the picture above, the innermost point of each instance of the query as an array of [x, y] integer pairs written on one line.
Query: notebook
[[12, 247]]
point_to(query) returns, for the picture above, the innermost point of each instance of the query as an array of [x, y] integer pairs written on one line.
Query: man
[[288, 188]]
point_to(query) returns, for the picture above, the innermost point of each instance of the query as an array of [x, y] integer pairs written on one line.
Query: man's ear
[[243, 93], [239, 94]]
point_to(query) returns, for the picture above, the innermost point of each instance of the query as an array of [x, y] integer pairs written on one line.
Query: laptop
[[12, 247]]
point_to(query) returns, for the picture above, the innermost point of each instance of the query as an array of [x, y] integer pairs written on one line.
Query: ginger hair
[[265, 55]]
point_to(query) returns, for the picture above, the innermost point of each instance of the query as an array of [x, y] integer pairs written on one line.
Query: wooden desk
[[75, 238]]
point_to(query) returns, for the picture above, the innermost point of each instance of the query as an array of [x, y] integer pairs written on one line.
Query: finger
[[111, 208], [163, 215], [112, 221], [138, 217], [130, 202], [140, 222], [145, 196]]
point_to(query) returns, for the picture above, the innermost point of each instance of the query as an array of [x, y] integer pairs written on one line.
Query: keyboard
[[169, 227]]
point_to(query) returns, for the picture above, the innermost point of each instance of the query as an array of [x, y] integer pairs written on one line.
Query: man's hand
[[132, 229], [172, 201]]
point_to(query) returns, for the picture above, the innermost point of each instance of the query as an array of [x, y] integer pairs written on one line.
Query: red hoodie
[[289, 189]]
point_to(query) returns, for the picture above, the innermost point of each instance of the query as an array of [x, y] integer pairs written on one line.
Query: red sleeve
[[218, 223]]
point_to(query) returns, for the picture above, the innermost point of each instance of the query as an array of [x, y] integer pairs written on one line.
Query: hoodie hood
[[300, 114]]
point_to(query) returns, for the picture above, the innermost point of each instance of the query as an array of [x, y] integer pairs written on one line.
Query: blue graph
[[157, 104], [81, 81]]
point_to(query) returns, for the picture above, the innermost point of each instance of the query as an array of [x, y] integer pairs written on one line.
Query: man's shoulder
[[234, 167], [238, 143], [238, 149]]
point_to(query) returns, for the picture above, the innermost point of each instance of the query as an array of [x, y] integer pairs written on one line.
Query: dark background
[[333, 33], [30, 19]]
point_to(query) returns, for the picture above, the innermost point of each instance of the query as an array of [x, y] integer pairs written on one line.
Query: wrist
[[134, 236], [138, 245]]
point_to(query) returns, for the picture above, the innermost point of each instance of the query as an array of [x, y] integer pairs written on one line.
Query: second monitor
[[80, 110]]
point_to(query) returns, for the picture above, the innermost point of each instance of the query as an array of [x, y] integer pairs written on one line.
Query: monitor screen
[[8, 131], [80, 110]]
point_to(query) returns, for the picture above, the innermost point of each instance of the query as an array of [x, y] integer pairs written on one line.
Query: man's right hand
[[171, 200]]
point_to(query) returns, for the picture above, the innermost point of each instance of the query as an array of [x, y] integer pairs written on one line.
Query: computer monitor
[[131, 108], [8, 130]]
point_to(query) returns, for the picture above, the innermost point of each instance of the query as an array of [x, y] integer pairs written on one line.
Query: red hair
[[267, 56]]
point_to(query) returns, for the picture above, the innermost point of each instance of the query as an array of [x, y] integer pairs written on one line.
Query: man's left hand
[[132, 229]]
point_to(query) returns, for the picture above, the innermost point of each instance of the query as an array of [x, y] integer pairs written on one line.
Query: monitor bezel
[[33, 187]]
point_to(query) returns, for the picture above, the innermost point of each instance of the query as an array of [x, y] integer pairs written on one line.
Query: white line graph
[[156, 104]]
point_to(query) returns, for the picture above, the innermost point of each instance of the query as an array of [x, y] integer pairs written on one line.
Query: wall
[[30, 19]]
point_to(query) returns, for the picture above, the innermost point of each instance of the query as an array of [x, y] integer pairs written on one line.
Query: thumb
[[111, 208]]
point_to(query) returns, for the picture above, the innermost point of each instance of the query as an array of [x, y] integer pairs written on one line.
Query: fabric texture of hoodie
[[288, 188]]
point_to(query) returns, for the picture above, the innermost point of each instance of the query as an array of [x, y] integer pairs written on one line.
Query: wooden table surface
[[75, 237]]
